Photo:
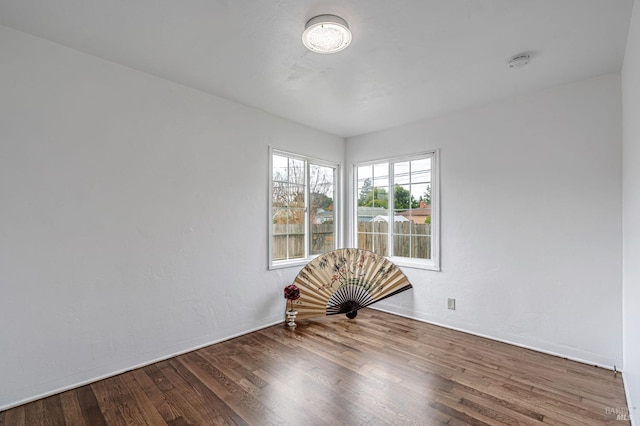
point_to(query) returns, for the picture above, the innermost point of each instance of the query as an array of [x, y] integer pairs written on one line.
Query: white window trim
[[432, 264], [289, 263]]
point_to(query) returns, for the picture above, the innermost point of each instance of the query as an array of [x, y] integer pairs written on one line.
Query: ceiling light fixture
[[326, 34]]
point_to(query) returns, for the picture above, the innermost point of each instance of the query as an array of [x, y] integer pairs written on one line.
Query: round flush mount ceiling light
[[519, 61], [326, 34]]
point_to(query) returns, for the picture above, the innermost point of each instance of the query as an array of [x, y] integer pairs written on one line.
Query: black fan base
[[350, 308]]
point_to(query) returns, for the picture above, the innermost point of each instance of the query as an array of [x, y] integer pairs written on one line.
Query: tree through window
[[303, 208]]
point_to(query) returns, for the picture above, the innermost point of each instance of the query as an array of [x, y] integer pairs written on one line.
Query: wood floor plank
[[233, 396], [71, 409], [35, 414], [89, 406], [165, 406], [140, 400], [500, 411], [187, 398], [378, 369], [512, 408], [52, 411], [225, 413], [15, 416], [284, 401], [111, 401]]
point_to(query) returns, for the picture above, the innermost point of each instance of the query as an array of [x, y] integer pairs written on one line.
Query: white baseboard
[[632, 414]]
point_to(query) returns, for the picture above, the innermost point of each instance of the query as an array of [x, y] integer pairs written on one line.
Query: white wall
[[531, 219], [133, 217], [631, 215]]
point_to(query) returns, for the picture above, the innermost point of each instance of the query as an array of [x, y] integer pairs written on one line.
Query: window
[[303, 222], [403, 226]]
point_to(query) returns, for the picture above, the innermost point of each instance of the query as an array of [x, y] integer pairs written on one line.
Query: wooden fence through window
[[409, 240], [292, 236]]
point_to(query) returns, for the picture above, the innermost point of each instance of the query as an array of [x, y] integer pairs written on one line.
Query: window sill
[[399, 261], [281, 264], [415, 263]]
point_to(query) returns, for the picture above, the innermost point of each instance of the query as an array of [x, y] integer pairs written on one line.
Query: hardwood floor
[[377, 369]]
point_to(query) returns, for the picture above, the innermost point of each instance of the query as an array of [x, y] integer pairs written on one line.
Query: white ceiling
[[409, 59]]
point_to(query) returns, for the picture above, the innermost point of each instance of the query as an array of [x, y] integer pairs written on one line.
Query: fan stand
[[350, 308]]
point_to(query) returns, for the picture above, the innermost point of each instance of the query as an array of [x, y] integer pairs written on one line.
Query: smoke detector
[[519, 61]]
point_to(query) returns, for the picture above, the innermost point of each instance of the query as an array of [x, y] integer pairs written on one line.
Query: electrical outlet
[[451, 304]]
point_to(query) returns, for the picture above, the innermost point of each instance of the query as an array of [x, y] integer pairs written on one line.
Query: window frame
[[308, 161], [432, 264]]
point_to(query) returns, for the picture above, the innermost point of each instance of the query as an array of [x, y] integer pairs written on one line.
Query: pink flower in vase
[[291, 293]]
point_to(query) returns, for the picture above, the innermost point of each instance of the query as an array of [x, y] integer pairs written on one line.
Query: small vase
[[291, 318]]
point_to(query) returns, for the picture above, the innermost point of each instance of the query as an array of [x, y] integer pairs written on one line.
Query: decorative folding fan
[[345, 280]]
